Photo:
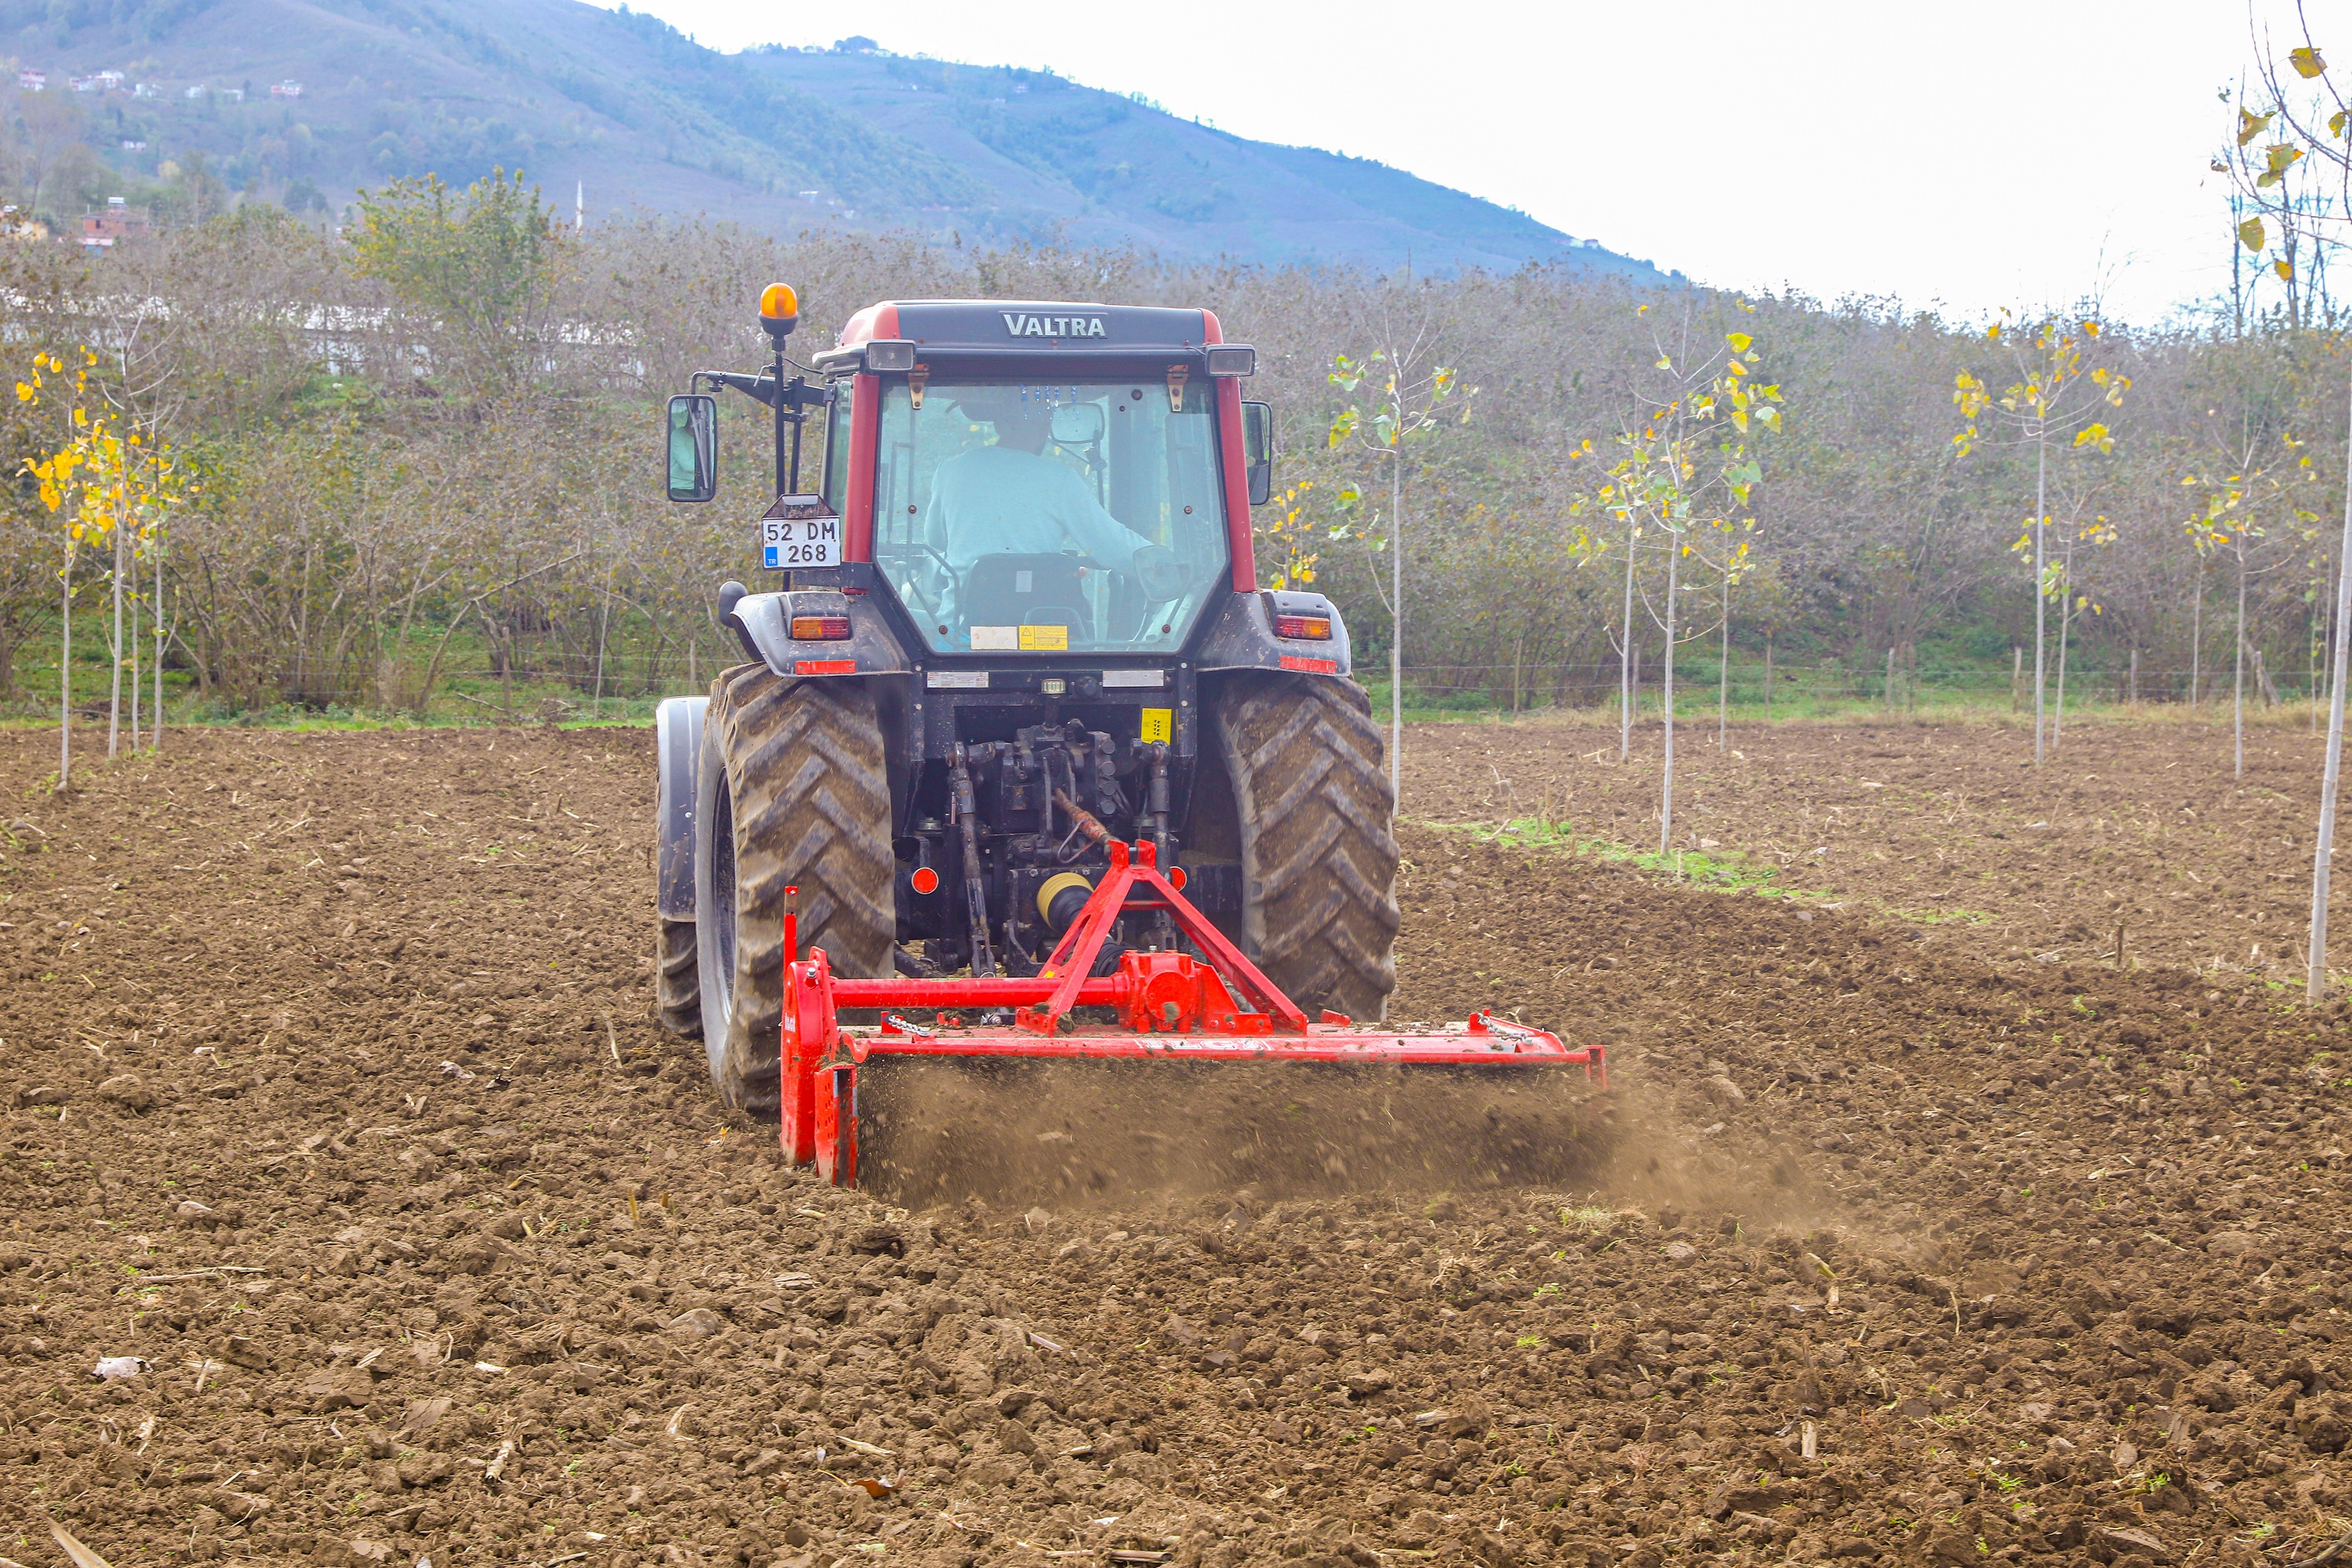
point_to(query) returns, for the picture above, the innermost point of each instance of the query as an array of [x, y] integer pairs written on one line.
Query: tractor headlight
[[886, 354], [1232, 359]]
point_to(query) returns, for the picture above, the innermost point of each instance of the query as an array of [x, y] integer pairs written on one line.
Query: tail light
[[835, 628], [1312, 628]]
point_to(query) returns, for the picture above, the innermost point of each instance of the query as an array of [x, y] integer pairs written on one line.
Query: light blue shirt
[[995, 498]]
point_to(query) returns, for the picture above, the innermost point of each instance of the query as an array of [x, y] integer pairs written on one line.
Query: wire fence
[[1897, 687], [552, 679]]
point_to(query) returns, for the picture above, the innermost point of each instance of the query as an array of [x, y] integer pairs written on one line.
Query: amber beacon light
[[780, 310]]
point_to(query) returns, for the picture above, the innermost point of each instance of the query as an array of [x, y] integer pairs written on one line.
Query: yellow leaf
[[2306, 62], [1738, 341], [1665, 362], [2250, 234], [2284, 268], [2251, 126]]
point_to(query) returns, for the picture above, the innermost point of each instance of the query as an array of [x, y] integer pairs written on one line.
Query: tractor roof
[[1017, 326]]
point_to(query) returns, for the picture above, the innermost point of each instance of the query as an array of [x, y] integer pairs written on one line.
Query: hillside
[[640, 115]]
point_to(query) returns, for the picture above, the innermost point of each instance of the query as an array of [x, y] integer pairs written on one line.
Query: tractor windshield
[[1071, 517]]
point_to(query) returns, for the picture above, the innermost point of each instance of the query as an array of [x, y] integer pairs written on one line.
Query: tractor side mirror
[[693, 447], [1257, 450]]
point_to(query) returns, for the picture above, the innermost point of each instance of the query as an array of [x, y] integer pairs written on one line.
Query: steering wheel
[[947, 571], [1158, 574]]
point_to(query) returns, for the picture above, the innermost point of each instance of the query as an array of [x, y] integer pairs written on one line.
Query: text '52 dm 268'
[[1011, 630]]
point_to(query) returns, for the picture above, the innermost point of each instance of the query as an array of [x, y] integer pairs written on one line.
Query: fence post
[[2016, 678], [1890, 682], [2134, 677]]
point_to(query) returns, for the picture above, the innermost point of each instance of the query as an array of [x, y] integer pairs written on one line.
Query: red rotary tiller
[[1170, 1006]]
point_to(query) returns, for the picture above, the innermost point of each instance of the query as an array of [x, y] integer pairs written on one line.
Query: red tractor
[[1013, 637]]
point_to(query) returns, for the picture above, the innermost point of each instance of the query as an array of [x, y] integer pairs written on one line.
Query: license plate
[[806, 534]]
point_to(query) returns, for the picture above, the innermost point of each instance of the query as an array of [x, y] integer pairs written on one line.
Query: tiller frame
[[1171, 1007]]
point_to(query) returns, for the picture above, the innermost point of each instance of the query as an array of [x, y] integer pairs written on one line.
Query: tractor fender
[[766, 620], [678, 729], [1242, 635]]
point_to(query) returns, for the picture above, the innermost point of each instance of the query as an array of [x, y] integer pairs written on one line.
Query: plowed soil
[[2144, 827], [333, 1099]]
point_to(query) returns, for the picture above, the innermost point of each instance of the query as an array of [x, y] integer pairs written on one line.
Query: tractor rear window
[[1022, 516]]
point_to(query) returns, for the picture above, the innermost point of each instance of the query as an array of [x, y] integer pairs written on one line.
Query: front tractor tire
[[792, 792], [677, 988], [1318, 851]]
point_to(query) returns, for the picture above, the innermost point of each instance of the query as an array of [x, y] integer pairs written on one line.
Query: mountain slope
[[643, 116]]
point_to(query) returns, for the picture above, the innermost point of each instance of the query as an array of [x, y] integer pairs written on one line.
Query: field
[[1931, 1227], [2141, 826]]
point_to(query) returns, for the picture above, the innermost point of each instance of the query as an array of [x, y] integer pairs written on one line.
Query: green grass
[[1714, 872], [1723, 873], [1834, 701], [469, 694]]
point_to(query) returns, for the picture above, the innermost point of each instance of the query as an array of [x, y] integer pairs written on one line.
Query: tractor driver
[[1012, 498]]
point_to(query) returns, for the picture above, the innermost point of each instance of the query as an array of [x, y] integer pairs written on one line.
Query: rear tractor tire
[[793, 792], [1318, 850]]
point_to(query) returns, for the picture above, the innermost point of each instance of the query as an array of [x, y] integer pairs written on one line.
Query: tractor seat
[[1018, 590]]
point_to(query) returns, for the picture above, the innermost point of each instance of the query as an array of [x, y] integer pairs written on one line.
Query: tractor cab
[[1019, 479]]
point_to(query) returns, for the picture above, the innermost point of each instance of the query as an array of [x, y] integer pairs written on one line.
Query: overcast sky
[[2006, 151]]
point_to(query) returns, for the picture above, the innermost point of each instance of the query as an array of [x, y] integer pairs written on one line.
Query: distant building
[[131, 146], [198, 90], [286, 89], [101, 230], [32, 80], [233, 94], [147, 90], [98, 81]]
